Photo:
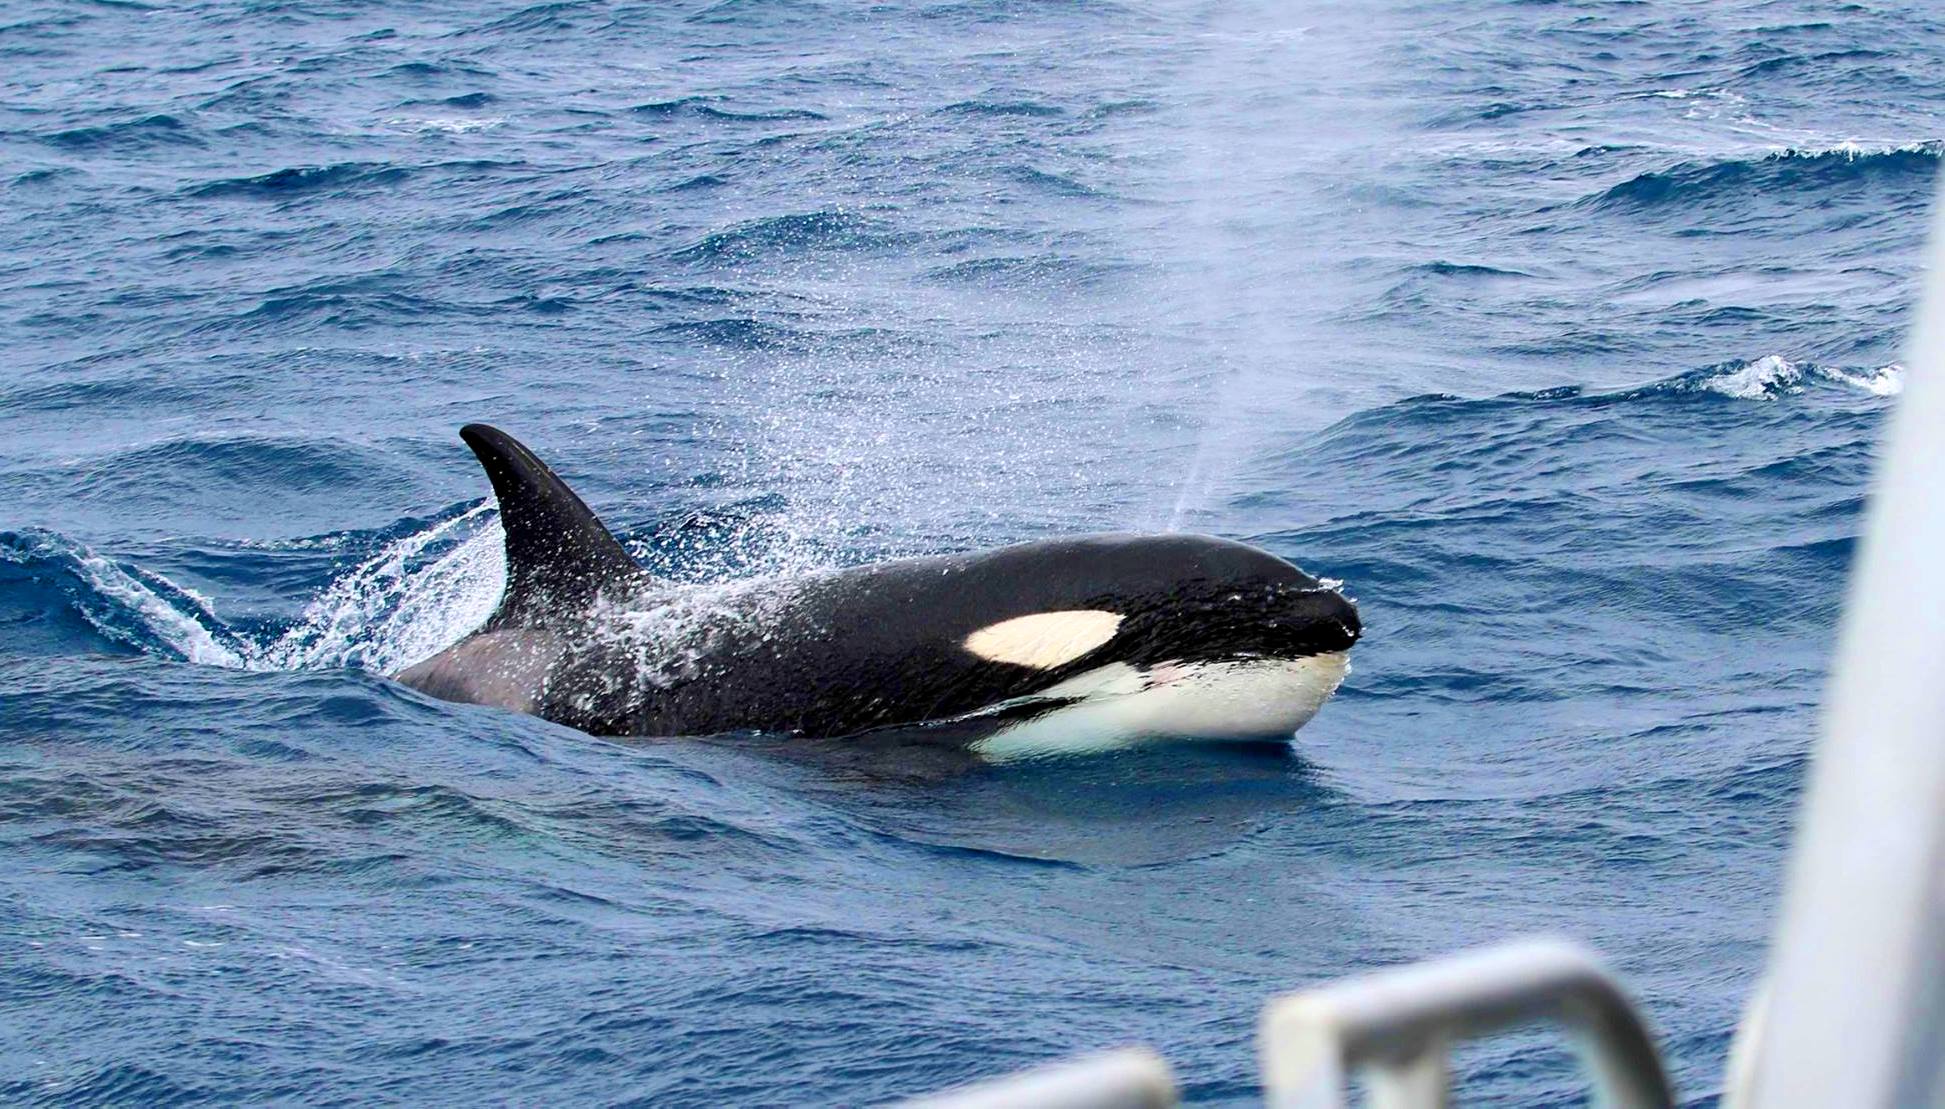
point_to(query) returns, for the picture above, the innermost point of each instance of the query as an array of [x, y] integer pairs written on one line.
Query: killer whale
[[1049, 647]]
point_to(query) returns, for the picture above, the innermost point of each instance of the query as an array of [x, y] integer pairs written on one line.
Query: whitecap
[[1885, 381], [450, 125], [1772, 376], [1762, 379]]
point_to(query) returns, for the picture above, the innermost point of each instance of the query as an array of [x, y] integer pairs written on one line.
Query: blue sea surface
[[1562, 333]]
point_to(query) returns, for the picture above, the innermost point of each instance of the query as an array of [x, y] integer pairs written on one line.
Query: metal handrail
[[1395, 1029], [1398, 1026], [1132, 1078]]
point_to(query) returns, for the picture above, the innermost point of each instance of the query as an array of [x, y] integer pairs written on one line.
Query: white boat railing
[[1392, 1030], [1395, 1028], [1132, 1078]]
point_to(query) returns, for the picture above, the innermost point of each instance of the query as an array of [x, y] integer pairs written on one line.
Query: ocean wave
[[145, 389], [414, 596], [470, 101], [45, 176], [556, 17], [446, 125], [1037, 271], [127, 607], [1821, 63], [1736, 430], [1773, 376], [1782, 171], [1055, 184], [420, 69], [739, 333], [1465, 269], [706, 107], [1028, 108], [1769, 377], [299, 181], [245, 464], [699, 181], [755, 12], [335, 301], [137, 134], [834, 229]]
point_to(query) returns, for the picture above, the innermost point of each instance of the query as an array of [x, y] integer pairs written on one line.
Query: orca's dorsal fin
[[559, 556]]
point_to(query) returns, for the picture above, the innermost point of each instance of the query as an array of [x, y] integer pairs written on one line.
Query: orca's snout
[[1339, 616], [1273, 607]]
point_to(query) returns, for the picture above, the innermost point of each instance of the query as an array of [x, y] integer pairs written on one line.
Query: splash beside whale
[[1053, 647]]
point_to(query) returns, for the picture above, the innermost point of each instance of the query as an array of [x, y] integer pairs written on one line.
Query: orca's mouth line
[[1263, 698], [1179, 670]]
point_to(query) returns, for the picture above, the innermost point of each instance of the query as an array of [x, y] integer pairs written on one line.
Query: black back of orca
[[583, 637]]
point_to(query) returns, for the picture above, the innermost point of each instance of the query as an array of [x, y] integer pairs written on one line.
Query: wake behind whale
[[1050, 647]]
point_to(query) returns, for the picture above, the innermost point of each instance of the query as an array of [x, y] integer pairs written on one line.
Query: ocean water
[[1561, 332]]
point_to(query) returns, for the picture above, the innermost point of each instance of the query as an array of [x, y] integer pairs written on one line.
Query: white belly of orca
[[1119, 705]]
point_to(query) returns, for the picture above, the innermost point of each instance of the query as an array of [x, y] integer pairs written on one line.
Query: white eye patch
[[1044, 640]]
